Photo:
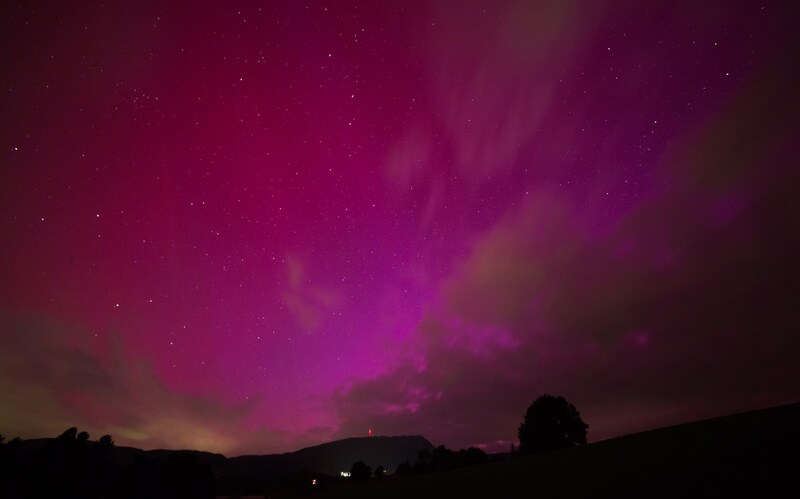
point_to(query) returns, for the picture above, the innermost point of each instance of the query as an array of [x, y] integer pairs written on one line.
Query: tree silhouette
[[100, 463], [551, 423], [360, 472], [106, 442], [423, 462], [69, 435], [82, 438], [379, 472]]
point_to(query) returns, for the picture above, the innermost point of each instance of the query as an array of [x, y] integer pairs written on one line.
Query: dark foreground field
[[746, 455]]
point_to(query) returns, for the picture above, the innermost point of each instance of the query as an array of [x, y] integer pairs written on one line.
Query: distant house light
[[344, 473], [313, 481]]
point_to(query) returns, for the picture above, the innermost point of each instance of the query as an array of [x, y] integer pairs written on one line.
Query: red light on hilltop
[[369, 432]]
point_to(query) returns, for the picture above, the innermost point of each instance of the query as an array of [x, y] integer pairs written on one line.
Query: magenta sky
[[253, 226]]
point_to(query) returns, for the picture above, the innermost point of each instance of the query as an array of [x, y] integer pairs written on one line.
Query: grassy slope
[[744, 455]]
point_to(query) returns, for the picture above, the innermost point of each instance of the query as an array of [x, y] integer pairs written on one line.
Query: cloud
[[685, 307], [51, 379], [306, 301], [266, 440], [494, 70], [491, 76], [409, 160]]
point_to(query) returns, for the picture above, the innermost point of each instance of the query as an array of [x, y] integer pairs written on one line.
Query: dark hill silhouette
[[329, 458], [333, 457], [289, 474], [144, 473], [126, 455], [752, 454]]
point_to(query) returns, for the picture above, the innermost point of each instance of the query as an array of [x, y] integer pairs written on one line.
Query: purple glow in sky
[[247, 227]]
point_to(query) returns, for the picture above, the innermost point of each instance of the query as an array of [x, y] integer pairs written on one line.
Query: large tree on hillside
[[551, 423]]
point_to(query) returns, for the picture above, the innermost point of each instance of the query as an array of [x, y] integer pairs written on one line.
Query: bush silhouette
[[551, 423]]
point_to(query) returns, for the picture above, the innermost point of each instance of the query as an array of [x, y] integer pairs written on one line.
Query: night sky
[[248, 227]]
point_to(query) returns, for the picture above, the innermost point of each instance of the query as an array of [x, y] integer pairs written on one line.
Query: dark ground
[[746, 455]]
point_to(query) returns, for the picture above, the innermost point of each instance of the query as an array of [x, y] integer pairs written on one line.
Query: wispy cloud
[[684, 308], [308, 302]]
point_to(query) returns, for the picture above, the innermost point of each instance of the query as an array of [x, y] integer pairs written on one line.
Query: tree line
[[71, 466], [550, 423]]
